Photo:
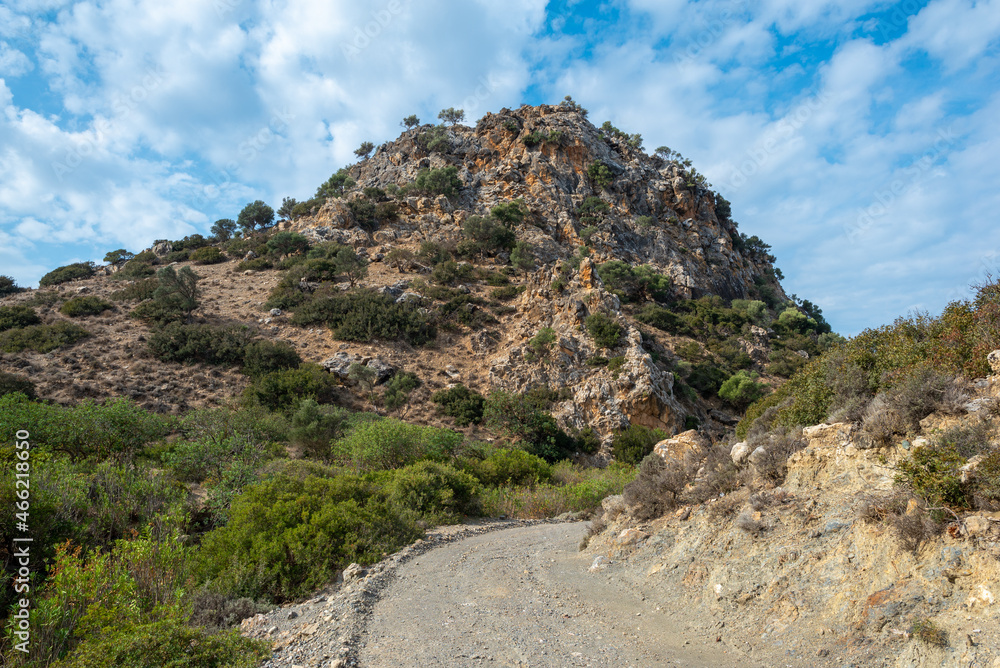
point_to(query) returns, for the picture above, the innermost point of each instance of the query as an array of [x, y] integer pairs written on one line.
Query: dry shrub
[[659, 485], [900, 409], [912, 529], [596, 526], [747, 523], [718, 475], [728, 504], [877, 509], [968, 439], [779, 445], [881, 423]]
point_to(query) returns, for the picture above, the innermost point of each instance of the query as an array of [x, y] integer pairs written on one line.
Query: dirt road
[[524, 597]]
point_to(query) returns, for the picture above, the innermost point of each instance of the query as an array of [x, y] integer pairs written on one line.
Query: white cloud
[[13, 63]]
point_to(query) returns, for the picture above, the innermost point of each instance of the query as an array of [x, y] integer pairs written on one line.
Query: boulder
[[994, 361], [340, 363], [757, 456], [678, 447], [354, 572], [740, 452], [383, 370], [162, 248]]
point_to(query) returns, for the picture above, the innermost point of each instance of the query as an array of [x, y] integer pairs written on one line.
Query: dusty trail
[[524, 597]]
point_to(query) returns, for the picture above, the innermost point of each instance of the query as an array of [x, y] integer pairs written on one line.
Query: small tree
[[452, 115], [600, 174], [410, 121], [664, 152], [120, 256], [350, 264], [178, 289], [287, 243], [335, 185], [255, 215], [364, 150], [442, 181], [287, 208], [8, 286], [523, 256], [223, 229]]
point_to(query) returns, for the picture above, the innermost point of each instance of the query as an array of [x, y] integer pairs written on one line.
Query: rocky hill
[[577, 197]]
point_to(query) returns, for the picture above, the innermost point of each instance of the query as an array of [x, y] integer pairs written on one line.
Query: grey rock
[[275, 312], [340, 363], [354, 572], [383, 370]]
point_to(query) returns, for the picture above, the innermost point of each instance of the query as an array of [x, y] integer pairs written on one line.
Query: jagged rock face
[[639, 392], [685, 239], [655, 216]]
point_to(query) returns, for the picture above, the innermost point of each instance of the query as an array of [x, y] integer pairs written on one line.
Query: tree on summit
[[452, 115], [255, 215], [364, 150]]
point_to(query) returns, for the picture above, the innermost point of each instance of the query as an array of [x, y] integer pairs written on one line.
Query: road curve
[[523, 597]]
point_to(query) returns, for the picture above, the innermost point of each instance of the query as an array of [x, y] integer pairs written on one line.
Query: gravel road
[[524, 597]]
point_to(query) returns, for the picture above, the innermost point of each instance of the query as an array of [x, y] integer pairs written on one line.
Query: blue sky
[[860, 139]]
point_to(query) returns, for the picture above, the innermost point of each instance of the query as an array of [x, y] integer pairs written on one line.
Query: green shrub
[[398, 389], [262, 356], [443, 181], [208, 255], [461, 403], [524, 418], [42, 338], [488, 236], [450, 272], [458, 401], [634, 284], [742, 389], [366, 315], [10, 383], [78, 306], [169, 642], [661, 318], [542, 342], [435, 139], [15, 317], [506, 293], [933, 474], [190, 243], [287, 537], [522, 257], [600, 174], [511, 467], [281, 390], [133, 269], [67, 273], [210, 344], [256, 264], [315, 426], [138, 291], [591, 211], [434, 490], [389, 444], [510, 213], [605, 331], [336, 185], [633, 444], [9, 287]]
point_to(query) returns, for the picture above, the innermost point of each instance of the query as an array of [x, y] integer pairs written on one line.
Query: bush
[[262, 356], [209, 344], [523, 256], [434, 490], [634, 284], [282, 390], [742, 389], [42, 338], [510, 467], [523, 418], [633, 444], [398, 389], [600, 174], [315, 426], [658, 487], [450, 272], [9, 287], [287, 537], [489, 236], [138, 291], [78, 306], [591, 211], [132, 270], [15, 317], [11, 383], [461, 403], [166, 643], [604, 330], [366, 315], [67, 273], [442, 181], [389, 444], [208, 255], [541, 342], [933, 473], [509, 213]]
